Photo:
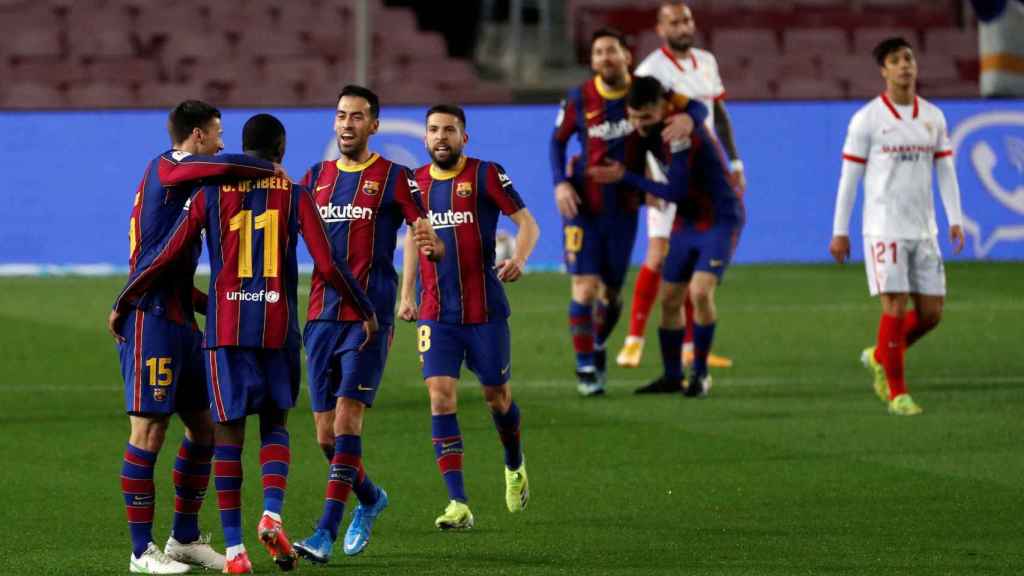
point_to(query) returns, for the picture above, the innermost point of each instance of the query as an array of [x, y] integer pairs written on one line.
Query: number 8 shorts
[[902, 265]]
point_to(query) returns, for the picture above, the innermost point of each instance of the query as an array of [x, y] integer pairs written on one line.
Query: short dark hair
[[188, 116], [888, 46], [364, 93], [448, 109], [607, 33], [263, 133], [646, 90]]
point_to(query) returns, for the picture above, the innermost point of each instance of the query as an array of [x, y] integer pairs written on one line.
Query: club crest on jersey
[[159, 393], [464, 189], [371, 187]]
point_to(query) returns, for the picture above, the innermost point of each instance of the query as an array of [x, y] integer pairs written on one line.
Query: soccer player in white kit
[[692, 72], [893, 142]]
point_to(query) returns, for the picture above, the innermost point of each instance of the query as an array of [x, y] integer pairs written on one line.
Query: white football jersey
[[899, 146], [695, 76]]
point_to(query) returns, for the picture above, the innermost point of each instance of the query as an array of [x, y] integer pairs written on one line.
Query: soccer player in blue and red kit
[[463, 312], [363, 199], [600, 220], [252, 337], [709, 218], [161, 361]]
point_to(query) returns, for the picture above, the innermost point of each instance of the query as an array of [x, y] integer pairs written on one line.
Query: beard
[[652, 136], [681, 44], [449, 162]]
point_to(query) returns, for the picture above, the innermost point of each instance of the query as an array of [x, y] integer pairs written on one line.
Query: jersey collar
[[675, 61], [609, 93], [889, 105], [358, 167], [438, 173]]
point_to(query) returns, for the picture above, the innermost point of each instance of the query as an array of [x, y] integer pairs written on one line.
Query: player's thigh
[[323, 342], [683, 252], [716, 246], [618, 234], [281, 369], [191, 394], [660, 220], [489, 352], [362, 370], [887, 265], [441, 348], [581, 242], [235, 378], [927, 270], [156, 362]]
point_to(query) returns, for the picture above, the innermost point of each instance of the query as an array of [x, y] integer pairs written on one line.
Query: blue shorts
[[600, 245], [162, 365], [335, 366], [245, 381], [692, 251], [486, 348]]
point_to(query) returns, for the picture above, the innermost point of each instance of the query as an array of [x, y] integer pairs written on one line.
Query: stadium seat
[[809, 89], [166, 94], [958, 42], [102, 95], [42, 70], [29, 30], [121, 69], [100, 28], [865, 39], [32, 96], [827, 41], [744, 41]]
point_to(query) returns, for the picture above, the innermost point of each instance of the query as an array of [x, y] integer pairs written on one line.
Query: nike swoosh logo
[[505, 369], [362, 388], [319, 188], [593, 114], [715, 263]]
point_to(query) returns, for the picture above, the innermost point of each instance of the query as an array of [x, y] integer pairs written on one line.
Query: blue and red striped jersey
[[698, 182], [596, 114], [363, 207], [251, 230], [464, 204], [165, 187]]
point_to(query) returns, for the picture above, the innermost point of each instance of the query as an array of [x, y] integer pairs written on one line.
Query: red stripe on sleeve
[[856, 159], [943, 154]]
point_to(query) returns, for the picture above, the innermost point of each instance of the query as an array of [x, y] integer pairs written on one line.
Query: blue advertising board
[[71, 176]]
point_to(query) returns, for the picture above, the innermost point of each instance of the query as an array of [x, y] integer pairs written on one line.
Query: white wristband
[[736, 165]]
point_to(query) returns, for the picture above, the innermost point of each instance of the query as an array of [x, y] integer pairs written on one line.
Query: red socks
[[644, 295], [889, 351]]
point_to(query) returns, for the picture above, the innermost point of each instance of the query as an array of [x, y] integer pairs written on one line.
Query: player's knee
[[930, 318], [498, 398], [442, 395], [349, 417], [584, 289], [148, 433]]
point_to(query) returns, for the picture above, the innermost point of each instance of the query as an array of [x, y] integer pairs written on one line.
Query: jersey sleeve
[[334, 269], [858, 139], [176, 170], [565, 126], [943, 147], [408, 196], [678, 175], [718, 89], [500, 190], [184, 233], [308, 179]]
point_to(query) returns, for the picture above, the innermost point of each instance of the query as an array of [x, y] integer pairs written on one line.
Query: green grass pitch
[[792, 466]]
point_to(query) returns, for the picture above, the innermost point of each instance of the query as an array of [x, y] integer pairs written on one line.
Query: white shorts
[[901, 265], [659, 221]]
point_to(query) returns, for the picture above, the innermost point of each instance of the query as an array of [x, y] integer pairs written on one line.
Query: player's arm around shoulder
[[527, 234]]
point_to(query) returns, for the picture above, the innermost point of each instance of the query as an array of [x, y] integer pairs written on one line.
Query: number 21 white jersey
[[899, 146]]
